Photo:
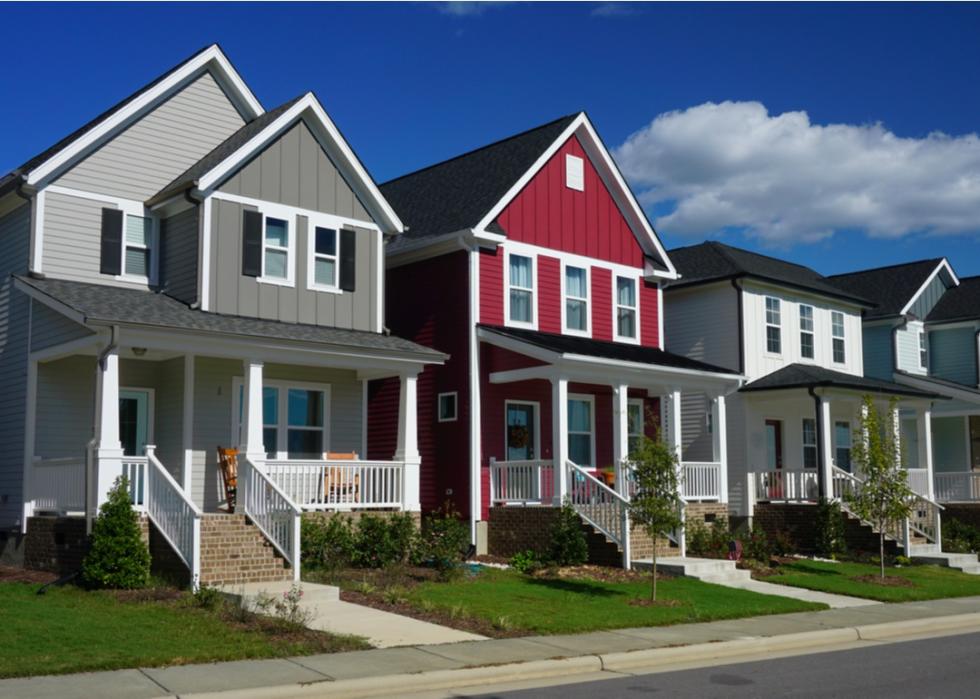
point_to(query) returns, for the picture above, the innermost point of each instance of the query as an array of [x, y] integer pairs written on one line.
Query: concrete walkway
[[394, 671], [831, 600]]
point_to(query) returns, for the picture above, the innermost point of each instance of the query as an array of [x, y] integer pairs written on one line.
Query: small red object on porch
[[734, 550], [228, 465]]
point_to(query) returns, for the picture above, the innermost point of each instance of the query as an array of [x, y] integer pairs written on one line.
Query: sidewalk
[[443, 665]]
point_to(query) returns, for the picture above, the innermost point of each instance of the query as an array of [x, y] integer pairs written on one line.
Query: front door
[[134, 421], [522, 438], [774, 444]]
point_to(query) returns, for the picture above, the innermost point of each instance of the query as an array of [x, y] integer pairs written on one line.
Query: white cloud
[[783, 179], [615, 9], [466, 9]]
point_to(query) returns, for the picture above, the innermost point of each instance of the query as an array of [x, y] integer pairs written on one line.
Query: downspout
[[741, 329], [27, 193], [818, 414], [976, 356], [90, 447]]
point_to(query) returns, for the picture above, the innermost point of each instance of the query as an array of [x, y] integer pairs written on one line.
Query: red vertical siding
[[649, 315], [549, 294], [601, 292], [491, 286], [549, 214]]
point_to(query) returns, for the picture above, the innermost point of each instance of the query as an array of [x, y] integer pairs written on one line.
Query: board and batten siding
[[236, 294], [953, 354], [907, 349], [163, 143], [50, 328], [179, 255], [928, 298], [878, 351], [14, 312]]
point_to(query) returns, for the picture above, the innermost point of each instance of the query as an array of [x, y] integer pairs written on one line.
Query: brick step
[[234, 551]]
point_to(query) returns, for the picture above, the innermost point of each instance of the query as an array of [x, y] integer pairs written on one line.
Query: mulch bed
[[600, 574], [14, 574], [888, 581]]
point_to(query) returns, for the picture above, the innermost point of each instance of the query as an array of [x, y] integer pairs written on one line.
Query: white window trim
[[529, 250], [283, 214], [455, 415], [803, 445], [150, 408], [574, 172], [590, 399], [767, 325], [923, 350], [536, 447], [508, 322], [336, 224], [811, 332], [615, 309], [587, 299], [642, 405], [842, 338], [282, 427]]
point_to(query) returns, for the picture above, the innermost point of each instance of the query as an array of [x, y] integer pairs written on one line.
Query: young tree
[[118, 558], [656, 504], [884, 498]]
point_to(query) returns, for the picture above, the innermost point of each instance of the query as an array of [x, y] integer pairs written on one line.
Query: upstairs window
[[809, 442], [275, 249], [324, 258], [128, 244], [574, 173], [576, 300], [521, 294], [139, 234], [806, 331], [837, 333], [774, 340], [626, 308], [923, 350]]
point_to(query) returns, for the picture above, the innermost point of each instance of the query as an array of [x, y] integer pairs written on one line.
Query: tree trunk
[[653, 588], [881, 552]]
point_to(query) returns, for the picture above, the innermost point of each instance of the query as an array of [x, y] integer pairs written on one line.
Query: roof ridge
[[935, 260], [726, 246], [480, 148]]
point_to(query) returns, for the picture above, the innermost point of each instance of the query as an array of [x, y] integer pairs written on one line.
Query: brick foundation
[[967, 513], [706, 512], [55, 544], [797, 522], [353, 517]]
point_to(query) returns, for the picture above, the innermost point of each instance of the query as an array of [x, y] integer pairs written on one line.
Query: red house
[[531, 264]]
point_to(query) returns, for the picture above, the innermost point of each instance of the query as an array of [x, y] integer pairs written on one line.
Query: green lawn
[[71, 630], [930, 582], [552, 606]]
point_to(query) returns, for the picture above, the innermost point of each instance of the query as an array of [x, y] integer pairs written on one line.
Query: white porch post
[[30, 416], [674, 427], [896, 417], [719, 444], [923, 424], [407, 449], [252, 444], [826, 448], [188, 423], [559, 439], [108, 448], [620, 415]]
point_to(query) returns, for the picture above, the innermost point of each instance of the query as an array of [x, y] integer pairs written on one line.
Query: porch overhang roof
[[597, 361], [151, 315], [948, 389], [803, 376]]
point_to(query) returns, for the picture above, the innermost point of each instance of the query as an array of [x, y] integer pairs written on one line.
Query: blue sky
[[754, 124]]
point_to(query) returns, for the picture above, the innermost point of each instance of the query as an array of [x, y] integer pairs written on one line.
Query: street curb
[[649, 659]]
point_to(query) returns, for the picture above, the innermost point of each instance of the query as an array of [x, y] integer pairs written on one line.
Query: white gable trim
[[610, 175], [943, 265], [212, 58], [332, 142]]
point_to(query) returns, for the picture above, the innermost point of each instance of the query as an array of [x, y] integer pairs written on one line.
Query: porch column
[[559, 439], [674, 427], [30, 417], [620, 415], [252, 444], [826, 450], [923, 424], [188, 424], [719, 444], [407, 449], [108, 447], [896, 419]]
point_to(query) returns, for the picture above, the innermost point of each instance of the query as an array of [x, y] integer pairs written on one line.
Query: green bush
[[756, 545], [960, 537], [783, 544], [444, 540], [118, 557], [380, 542], [327, 542], [568, 546], [525, 561], [708, 541], [828, 526]]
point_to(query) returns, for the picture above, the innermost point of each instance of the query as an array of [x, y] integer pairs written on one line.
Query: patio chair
[[228, 467], [340, 484]]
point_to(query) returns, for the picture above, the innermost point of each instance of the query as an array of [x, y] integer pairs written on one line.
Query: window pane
[[806, 318], [275, 264], [305, 408], [305, 444], [575, 282], [270, 406], [806, 345], [276, 232], [270, 435], [520, 271], [325, 272], [580, 449], [626, 322], [138, 230], [838, 351], [626, 292], [773, 340], [138, 262], [579, 416], [772, 311], [520, 306], [326, 241], [447, 407], [634, 419], [575, 315]]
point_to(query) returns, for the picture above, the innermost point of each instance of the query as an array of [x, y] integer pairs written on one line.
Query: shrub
[[379, 542], [568, 546], [783, 544], [756, 545], [208, 597], [829, 529], [118, 557], [708, 541], [525, 562], [444, 541], [960, 537], [327, 542]]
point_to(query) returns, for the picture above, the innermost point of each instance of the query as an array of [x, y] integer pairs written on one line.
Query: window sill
[[134, 279], [626, 340], [518, 324], [324, 289], [275, 282], [577, 333]]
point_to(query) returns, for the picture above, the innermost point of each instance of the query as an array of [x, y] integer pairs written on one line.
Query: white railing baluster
[[957, 486], [330, 485], [58, 485], [599, 505], [175, 515], [784, 485], [272, 510], [700, 480], [522, 482]]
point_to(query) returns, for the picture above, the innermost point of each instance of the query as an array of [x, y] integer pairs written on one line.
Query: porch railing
[[272, 511], [601, 506], [701, 480], [339, 485], [58, 485], [784, 485], [175, 515], [962, 486], [134, 469], [522, 481], [919, 480]]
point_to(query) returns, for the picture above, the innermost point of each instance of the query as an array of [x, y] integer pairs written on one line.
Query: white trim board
[[943, 265]]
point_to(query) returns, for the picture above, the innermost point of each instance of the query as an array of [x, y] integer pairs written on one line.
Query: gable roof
[[793, 376], [712, 261], [893, 288], [962, 302], [121, 111]]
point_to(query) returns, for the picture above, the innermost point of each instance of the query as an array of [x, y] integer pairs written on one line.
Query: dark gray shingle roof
[[456, 194], [808, 376], [712, 261], [890, 288], [113, 304], [958, 303]]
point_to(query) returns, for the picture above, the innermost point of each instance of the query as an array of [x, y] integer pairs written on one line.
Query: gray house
[[188, 271]]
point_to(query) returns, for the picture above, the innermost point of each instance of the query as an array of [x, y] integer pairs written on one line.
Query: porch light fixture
[[139, 351]]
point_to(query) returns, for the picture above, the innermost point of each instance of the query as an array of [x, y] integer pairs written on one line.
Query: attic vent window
[[574, 173]]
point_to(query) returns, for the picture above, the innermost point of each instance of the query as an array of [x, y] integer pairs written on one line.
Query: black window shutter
[[252, 244], [112, 231], [348, 254]]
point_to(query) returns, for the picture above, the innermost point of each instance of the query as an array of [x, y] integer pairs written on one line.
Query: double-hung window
[[837, 334], [275, 249], [809, 442], [626, 308], [842, 445], [806, 331], [521, 289], [774, 340], [581, 431], [129, 243], [634, 423], [325, 254], [923, 350], [294, 422], [138, 242], [576, 300]]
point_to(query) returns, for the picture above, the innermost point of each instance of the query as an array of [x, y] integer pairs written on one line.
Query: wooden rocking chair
[[228, 466], [339, 484]]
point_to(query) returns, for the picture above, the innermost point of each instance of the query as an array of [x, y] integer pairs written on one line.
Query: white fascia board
[[658, 370], [942, 266], [509, 343], [212, 55], [435, 246]]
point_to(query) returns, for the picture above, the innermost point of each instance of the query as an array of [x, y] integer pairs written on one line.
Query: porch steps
[[604, 552], [718, 571], [930, 553], [235, 552]]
